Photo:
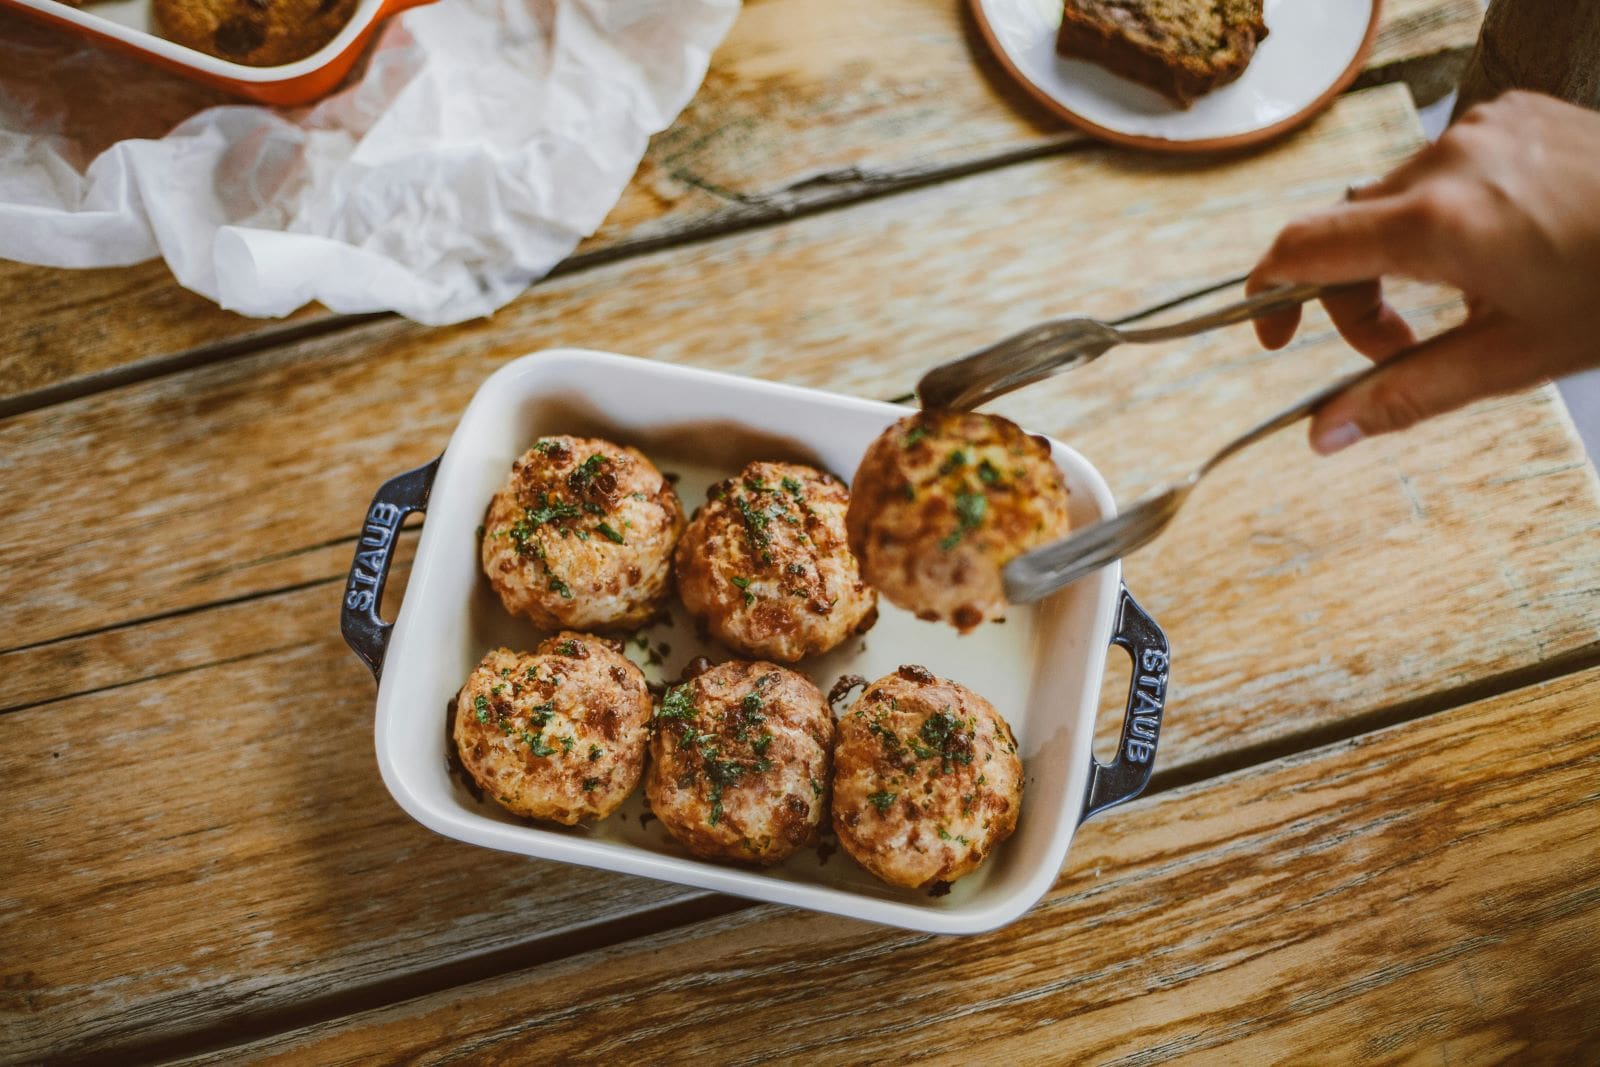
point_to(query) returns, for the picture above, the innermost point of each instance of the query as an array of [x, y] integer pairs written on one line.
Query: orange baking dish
[[128, 25]]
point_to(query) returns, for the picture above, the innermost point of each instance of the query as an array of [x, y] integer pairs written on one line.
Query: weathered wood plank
[[809, 102], [256, 467], [213, 845], [325, 436], [1430, 893], [150, 649], [238, 481], [246, 463]]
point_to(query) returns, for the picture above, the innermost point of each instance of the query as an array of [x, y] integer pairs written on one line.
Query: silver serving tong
[[1063, 344]]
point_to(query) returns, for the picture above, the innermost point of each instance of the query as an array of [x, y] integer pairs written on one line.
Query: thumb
[[1475, 360]]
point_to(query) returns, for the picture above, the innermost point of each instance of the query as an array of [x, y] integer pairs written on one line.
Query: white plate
[[1313, 49], [1042, 668]]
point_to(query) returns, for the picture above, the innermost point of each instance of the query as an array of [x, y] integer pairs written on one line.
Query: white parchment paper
[[482, 140]]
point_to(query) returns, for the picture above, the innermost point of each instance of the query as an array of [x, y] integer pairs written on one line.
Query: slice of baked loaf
[[1181, 48]]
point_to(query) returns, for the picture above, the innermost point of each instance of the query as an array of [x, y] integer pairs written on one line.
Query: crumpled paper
[[479, 143]]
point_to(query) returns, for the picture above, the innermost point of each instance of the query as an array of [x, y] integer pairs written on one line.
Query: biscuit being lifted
[[259, 33], [942, 501], [926, 779], [766, 567], [558, 734], [740, 762], [581, 536]]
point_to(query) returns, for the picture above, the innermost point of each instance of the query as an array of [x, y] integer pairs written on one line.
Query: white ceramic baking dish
[[1042, 668]]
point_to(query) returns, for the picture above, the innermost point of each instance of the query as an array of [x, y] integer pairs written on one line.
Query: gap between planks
[[746, 211], [807, 195], [246, 1028]]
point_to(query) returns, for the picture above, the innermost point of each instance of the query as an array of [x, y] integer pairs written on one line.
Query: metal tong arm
[[1058, 345], [1268, 302]]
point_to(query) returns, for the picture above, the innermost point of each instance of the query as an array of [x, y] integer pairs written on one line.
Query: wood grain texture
[[808, 103], [213, 845], [1427, 893], [131, 516], [255, 468]]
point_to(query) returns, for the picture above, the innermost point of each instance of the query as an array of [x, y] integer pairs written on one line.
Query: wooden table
[[1374, 834]]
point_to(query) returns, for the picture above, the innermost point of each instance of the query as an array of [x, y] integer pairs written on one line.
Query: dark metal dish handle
[[1126, 776], [364, 629]]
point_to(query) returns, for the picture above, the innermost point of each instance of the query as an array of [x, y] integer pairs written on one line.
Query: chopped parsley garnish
[[589, 468], [938, 727], [540, 714], [890, 741], [567, 743], [744, 586], [480, 704], [549, 511], [522, 531], [953, 462], [755, 523], [723, 773], [988, 473], [882, 800], [498, 689], [568, 648], [944, 835], [915, 434], [677, 703], [591, 784], [761, 744], [558, 586], [544, 448], [610, 535], [944, 740], [792, 486], [595, 752], [970, 510], [749, 715], [536, 742]]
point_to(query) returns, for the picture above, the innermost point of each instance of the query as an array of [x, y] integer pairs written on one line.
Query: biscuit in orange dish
[[258, 33]]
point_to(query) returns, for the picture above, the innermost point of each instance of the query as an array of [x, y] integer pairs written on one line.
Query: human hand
[[1504, 207]]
